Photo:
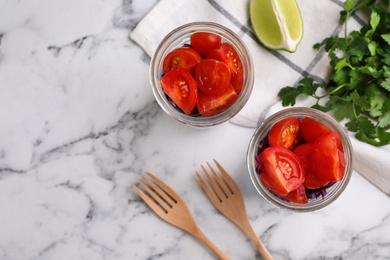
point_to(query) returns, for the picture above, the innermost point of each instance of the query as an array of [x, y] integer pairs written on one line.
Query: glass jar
[[180, 37], [261, 134]]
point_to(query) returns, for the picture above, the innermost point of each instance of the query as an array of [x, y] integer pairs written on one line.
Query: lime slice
[[277, 23]]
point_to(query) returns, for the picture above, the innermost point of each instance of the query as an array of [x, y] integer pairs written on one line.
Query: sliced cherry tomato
[[203, 42], [227, 54], [182, 58], [303, 152], [181, 87], [286, 133], [284, 169], [237, 81], [212, 76], [312, 181], [298, 195], [327, 157], [210, 105], [312, 129]]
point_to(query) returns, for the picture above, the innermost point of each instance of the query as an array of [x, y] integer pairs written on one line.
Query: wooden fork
[[227, 198], [168, 205]]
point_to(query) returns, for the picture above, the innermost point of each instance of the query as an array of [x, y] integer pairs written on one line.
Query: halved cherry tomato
[[210, 105], [298, 195], [312, 129], [284, 169], [327, 157], [227, 54], [286, 133], [212, 76], [182, 58], [203, 42], [303, 152], [181, 87], [237, 81], [312, 181]]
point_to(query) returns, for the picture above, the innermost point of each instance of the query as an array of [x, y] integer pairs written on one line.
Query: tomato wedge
[[211, 105], [312, 181], [298, 195], [182, 58], [212, 76], [311, 130], [328, 157], [203, 42], [303, 152], [286, 133], [283, 168], [181, 87], [227, 54]]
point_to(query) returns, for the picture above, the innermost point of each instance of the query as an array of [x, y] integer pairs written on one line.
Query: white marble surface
[[79, 126]]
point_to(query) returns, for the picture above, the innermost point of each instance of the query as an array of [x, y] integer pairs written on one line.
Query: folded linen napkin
[[273, 69]]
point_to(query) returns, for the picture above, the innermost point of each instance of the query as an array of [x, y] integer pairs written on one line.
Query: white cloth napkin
[[273, 69]]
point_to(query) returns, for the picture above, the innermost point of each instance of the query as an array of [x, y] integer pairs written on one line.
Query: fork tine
[[160, 192], [214, 185], [227, 190], [214, 198], [163, 204], [164, 187], [150, 203], [233, 186]]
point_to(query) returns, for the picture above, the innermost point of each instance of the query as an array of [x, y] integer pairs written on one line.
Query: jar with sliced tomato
[[218, 62], [300, 159]]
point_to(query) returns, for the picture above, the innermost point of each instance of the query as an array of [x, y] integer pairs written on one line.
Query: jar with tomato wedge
[[300, 159], [205, 87]]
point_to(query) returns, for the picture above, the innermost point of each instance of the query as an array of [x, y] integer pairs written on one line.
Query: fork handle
[[259, 245], [199, 234]]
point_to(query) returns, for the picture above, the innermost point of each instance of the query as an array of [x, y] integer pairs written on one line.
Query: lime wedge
[[277, 23]]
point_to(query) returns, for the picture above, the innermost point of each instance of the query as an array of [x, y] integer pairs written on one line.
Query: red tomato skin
[[237, 81], [312, 180], [227, 54], [212, 76], [211, 105], [286, 133], [312, 130], [328, 157], [284, 169], [303, 152], [181, 87], [182, 58], [204, 42], [298, 195]]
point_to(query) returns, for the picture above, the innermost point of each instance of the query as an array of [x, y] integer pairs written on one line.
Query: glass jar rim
[[262, 131], [161, 51]]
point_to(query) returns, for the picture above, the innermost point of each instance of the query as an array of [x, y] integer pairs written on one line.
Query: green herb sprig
[[358, 88]]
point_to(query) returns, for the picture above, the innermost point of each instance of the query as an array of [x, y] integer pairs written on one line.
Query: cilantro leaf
[[386, 37], [288, 95], [358, 87], [308, 87], [386, 83]]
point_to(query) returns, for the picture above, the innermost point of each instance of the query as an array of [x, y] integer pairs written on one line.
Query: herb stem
[[330, 93], [354, 109]]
